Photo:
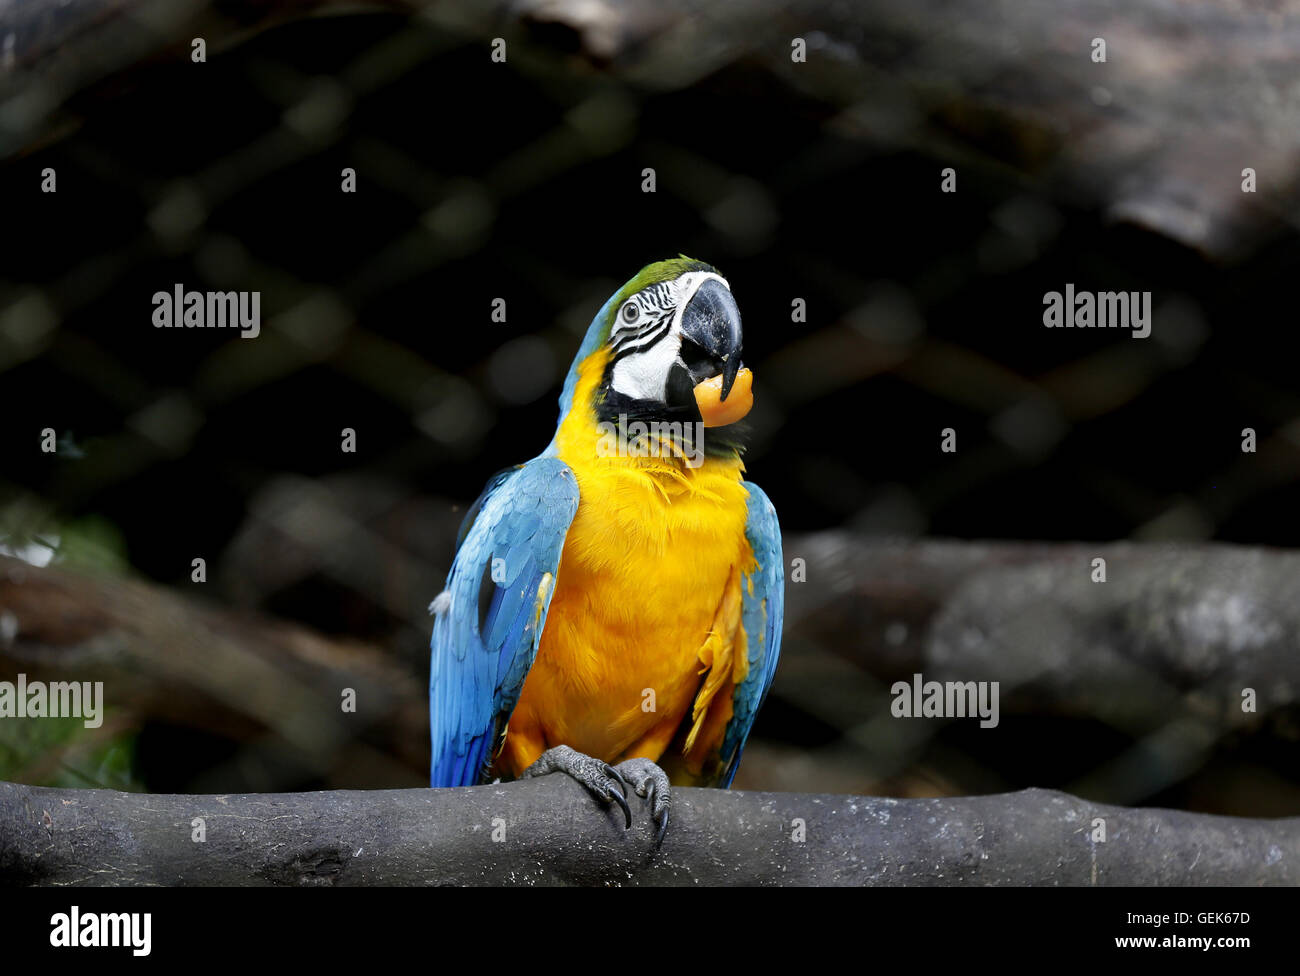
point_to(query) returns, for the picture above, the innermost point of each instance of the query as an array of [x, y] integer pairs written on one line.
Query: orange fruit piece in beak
[[717, 412]]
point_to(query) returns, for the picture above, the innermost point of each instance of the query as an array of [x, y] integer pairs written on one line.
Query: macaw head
[[669, 345]]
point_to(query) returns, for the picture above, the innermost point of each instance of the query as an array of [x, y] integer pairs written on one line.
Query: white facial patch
[[643, 373]]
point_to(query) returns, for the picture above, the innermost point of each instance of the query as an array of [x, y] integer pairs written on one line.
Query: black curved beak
[[711, 335]]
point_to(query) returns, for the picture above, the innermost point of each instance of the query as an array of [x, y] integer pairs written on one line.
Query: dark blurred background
[[523, 181]]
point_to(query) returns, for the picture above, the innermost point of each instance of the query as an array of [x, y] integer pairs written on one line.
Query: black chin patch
[[679, 392], [615, 405]]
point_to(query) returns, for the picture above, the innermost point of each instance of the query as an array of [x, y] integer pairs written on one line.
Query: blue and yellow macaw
[[614, 608]]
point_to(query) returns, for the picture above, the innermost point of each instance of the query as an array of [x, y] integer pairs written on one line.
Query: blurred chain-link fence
[[524, 180]]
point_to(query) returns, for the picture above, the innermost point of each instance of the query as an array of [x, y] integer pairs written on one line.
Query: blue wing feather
[[762, 611], [485, 639]]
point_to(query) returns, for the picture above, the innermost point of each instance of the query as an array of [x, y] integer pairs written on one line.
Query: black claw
[[611, 771], [618, 798], [663, 829]]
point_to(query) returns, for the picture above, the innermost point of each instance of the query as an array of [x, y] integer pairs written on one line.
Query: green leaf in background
[[63, 752]]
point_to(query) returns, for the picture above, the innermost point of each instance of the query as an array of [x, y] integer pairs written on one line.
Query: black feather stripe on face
[[644, 340], [657, 304]]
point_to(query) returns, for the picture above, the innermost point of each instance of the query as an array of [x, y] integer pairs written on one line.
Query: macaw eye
[[631, 312]]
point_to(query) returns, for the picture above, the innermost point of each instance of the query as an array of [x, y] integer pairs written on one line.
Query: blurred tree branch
[[550, 831], [1174, 629], [167, 656], [1173, 626]]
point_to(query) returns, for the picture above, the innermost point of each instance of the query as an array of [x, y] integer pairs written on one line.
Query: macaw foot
[[602, 779], [650, 782]]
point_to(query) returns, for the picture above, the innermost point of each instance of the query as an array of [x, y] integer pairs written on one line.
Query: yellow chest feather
[[644, 619]]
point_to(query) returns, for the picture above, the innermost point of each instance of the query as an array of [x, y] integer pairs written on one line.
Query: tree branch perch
[[553, 833]]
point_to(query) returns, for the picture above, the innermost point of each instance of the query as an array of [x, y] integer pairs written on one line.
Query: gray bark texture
[[551, 832]]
